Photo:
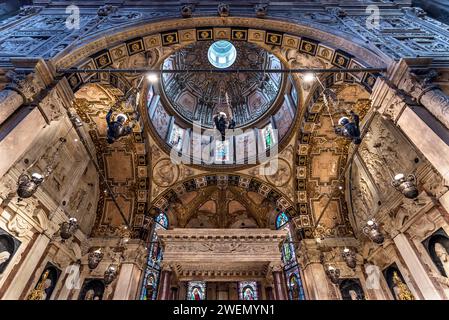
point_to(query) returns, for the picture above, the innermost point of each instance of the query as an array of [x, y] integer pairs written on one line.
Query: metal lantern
[[406, 185], [94, 258], [333, 274], [110, 274], [28, 185], [68, 229], [349, 257], [371, 230]]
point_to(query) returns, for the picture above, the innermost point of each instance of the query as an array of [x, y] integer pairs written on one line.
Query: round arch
[[245, 182]]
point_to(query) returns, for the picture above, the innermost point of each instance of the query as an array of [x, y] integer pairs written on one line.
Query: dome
[[247, 97]]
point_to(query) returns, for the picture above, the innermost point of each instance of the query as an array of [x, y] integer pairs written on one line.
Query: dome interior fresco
[[246, 97]]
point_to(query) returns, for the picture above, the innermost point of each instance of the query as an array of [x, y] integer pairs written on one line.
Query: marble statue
[[442, 255], [4, 257], [353, 295]]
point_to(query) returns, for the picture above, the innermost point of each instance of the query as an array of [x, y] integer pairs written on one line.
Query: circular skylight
[[222, 54]]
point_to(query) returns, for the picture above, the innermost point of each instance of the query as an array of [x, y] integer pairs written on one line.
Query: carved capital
[[27, 85]]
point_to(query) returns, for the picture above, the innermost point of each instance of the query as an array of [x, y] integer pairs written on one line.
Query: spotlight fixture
[[349, 257], [371, 230], [94, 258], [110, 274], [152, 77], [406, 185], [333, 274], [68, 228], [309, 77]]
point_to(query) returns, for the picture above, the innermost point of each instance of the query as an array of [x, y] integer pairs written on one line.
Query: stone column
[[174, 292], [128, 282], [10, 101], [280, 291], [437, 103], [315, 279], [164, 284], [269, 293], [417, 271]]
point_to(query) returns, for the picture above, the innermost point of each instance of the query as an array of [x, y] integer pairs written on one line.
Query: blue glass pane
[[222, 54], [294, 284], [150, 283], [162, 220], [281, 220]]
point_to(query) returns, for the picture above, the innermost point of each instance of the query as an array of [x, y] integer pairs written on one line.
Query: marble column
[[269, 293], [21, 278], [425, 140], [417, 270], [437, 102], [174, 292], [10, 101], [128, 282], [164, 284], [280, 290], [315, 279]]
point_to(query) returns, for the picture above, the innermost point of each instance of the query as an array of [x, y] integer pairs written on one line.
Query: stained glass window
[[222, 150], [153, 269], [196, 290], [294, 94], [268, 135], [281, 219], [291, 268], [150, 96], [176, 137], [248, 290]]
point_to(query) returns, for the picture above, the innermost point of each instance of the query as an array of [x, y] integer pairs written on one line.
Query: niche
[[8, 248], [437, 246], [92, 289], [396, 283], [46, 284], [351, 289]]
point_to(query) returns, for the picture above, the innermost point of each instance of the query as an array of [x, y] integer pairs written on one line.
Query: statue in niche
[[400, 289], [46, 284], [90, 295], [353, 295], [8, 246], [351, 289], [442, 254], [4, 257]]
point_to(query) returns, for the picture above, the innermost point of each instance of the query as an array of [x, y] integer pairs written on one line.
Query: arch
[[249, 183], [284, 33]]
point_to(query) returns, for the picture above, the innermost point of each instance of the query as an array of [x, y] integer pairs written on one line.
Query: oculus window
[[222, 54]]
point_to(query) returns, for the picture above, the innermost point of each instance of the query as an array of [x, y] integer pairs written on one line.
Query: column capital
[[309, 252], [30, 77]]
